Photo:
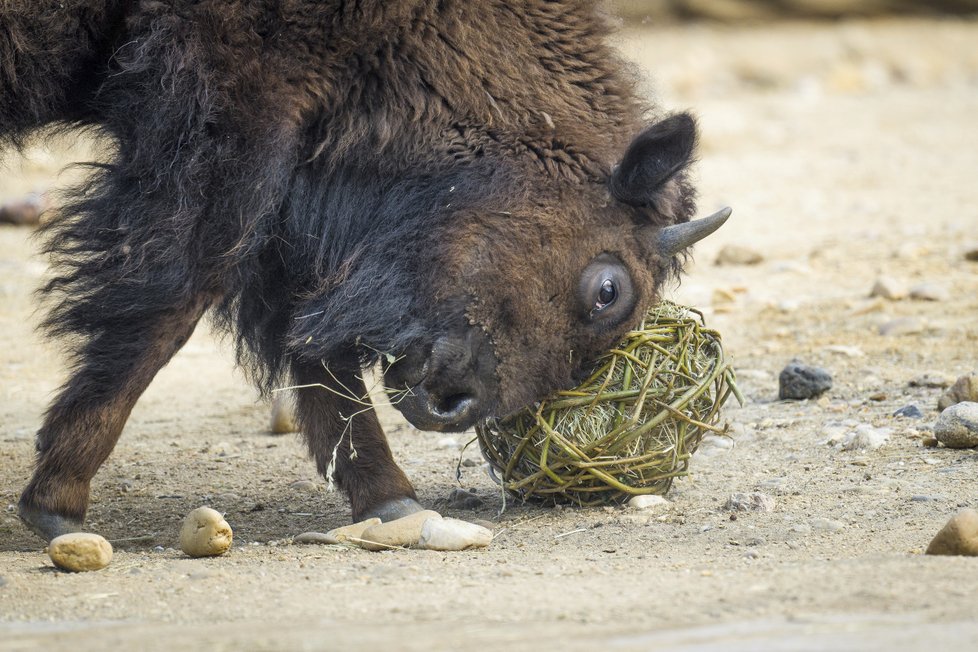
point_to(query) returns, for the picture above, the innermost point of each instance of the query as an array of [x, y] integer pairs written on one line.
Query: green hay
[[630, 428]]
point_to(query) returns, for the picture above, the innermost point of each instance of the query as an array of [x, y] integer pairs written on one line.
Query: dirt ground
[[848, 151]]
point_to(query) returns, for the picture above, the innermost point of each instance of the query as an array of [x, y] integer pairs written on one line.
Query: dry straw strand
[[630, 428]]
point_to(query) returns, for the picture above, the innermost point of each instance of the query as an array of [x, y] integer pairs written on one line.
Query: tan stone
[[80, 552], [452, 534], [399, 533], [205, 533], [353, 531], [958, 537], [964, 388]]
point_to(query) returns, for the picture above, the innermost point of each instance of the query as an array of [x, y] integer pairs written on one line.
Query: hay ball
[[629, 429]]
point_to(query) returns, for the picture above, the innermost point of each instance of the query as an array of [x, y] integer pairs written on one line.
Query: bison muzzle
[[470, 193]]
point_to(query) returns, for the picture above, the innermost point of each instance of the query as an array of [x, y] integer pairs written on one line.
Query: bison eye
[[606, 295], [605, 291]]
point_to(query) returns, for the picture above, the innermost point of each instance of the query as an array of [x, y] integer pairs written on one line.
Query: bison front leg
[[83, 424], [334, 424]]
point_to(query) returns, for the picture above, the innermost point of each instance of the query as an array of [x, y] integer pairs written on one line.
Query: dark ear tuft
[[655, 156]]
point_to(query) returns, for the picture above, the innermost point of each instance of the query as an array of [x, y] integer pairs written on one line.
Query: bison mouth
[[447, 385]]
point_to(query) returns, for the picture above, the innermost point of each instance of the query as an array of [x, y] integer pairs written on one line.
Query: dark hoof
[[392, 510], [47, 525]]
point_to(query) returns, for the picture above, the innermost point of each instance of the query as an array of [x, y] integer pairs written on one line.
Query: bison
[[472, 193]]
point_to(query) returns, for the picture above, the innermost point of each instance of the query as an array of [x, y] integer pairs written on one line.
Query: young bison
[[469, 187]]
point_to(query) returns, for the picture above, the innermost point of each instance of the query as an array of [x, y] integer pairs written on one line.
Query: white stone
[[888, 288], [452, 534], [865, 437], [647, 501]]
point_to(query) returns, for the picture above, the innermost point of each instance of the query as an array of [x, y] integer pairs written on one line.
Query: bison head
[[510, 293]]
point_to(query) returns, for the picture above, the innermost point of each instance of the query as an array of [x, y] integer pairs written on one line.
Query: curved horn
[[672, 239]]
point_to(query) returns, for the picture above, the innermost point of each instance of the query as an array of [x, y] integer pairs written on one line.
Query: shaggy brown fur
[[433, 179]]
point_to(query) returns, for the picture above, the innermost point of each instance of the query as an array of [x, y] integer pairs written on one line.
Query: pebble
[[398, 533], [909, 412], [738, 255], [846, 350], [932, 380], [337, 535], [888, 288], [647, 501], [447, 442], [752, 502], [798, 381], [971, 254], [460, 498], [865, 437], [902, 326], [964, 388], [205, 533], [957, 426], [826, 525], [283, 415], [80, 552], [958, 537], [929, 292], [305, 486], [452, 534]]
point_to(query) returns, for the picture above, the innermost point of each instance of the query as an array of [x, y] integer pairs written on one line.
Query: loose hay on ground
[[630, 428]]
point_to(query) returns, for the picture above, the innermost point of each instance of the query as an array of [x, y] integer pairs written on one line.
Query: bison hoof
[[46, 524], [392, 510]]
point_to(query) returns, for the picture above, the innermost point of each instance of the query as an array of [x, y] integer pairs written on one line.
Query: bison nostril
[[454, 406]]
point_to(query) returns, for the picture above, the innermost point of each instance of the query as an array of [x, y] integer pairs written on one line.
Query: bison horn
[[673, 239]]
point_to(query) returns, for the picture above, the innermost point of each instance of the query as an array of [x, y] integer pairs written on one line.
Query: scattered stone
[[752, 502], [877, 396], [866, 437], [957, 426], [452, 534], [902, 326], [205, 533], [909, 412], [283, 415], [888, 288], [929, 292], [798, 381], [305, 486], [338, 535], [468, 462], [964, 388], [971, 254], [846, 350], [929, 442], [447, 442], [826, 525], [398, 533], [932, 380], [924, 498], [958, 537], [460, 498], [80, 552], [738, 255], [647, 501]]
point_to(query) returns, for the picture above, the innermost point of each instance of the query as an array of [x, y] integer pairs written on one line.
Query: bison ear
[[655, 156]]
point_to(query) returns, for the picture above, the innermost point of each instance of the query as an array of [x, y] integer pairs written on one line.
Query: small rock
[[888, 288], [305, 486], [929, 292], [447, 442], [205, 533], [957, 426], [846, 350], [932, 380], [468, 462], [865, 437], [877, 396], [798, 381], [460, 498], [80, 552], [398, 533], [452, 534], [964, 388], [958, 537], [714, 445], [971, 254], [337, 535], [283, 415], [827, 525], [738, 255], [909, 412], [647, 501], [902, 326], [752, 502]]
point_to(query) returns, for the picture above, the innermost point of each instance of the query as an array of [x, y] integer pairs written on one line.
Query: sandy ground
[[848, 152]]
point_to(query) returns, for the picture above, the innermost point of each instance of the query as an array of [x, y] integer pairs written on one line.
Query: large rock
[[798, 381], [80, 551], [205, 533], [957, 426], [400, 533], [958, 537], [452, 534], [964, 388]]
